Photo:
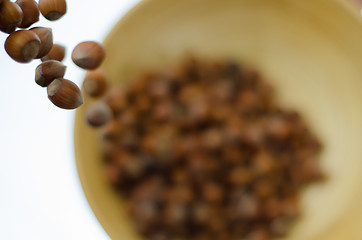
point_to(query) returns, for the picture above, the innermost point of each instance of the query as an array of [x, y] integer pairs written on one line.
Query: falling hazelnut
[[95, 83], [52, 9], [57, 52], [30, 12], [47, 71], [22, 46], [116, 99], [88, 55], [64, 94], [98, 114], [11, 16], [46, 40]]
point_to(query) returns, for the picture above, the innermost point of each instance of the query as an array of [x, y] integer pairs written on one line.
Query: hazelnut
[[46, 40], [175, 213], [240, 176], [52, 9], [88, 55], [258, 234], [64, 94], [98, 114], [213, 192], [95, 83], [57, 52], [22, 46], [47, 71], [116, 99], [279, 227], [111, 131], [30, 12], [11, 16], [201, 212]]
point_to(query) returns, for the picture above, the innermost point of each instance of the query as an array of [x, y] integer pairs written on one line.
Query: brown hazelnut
[[52, 9], [88, 55], [95, 83], [116, 99], [64, 94], [57, 52], [240, 176], [111, 131], [22, 46], [212, 192], [46, 40], [258, 234], [279, 227], [98, 114], [47, 71], [30, 12], [175, 213], [201, 212], [11, 16]]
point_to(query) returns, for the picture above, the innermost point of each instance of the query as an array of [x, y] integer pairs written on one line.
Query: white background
[[40, 193]]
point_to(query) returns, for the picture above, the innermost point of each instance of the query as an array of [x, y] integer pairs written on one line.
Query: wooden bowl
[[310, 50]]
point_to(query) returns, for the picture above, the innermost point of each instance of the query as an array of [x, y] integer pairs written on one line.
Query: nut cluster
[[26, 45], [203, 151]]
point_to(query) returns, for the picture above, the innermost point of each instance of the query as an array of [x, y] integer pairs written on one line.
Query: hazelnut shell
[[88, 55], [57, 52], [95, 83], [11, 16], [47, 71], [30, 12], [98, 114], [53, 9], [64, 94], [22, 46], [46, 40]]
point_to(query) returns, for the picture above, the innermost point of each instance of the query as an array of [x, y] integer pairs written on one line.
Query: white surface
[[40, 193]]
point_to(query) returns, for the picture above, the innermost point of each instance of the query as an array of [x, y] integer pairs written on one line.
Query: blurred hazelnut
[[116, 99], [278, 127], [201, 212], [88, 55], [95, 83], [98, 114], [240, 175], [258, 234], [111, 131], [213, 192], [279, 227], [175, 213]]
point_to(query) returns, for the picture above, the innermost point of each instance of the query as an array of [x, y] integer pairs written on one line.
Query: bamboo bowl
[[311, 52]]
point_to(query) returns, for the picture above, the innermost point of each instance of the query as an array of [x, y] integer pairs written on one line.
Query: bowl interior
[[309, 50]]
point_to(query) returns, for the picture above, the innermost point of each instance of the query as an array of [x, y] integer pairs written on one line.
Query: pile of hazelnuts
[[204, 151], [28, 44]]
